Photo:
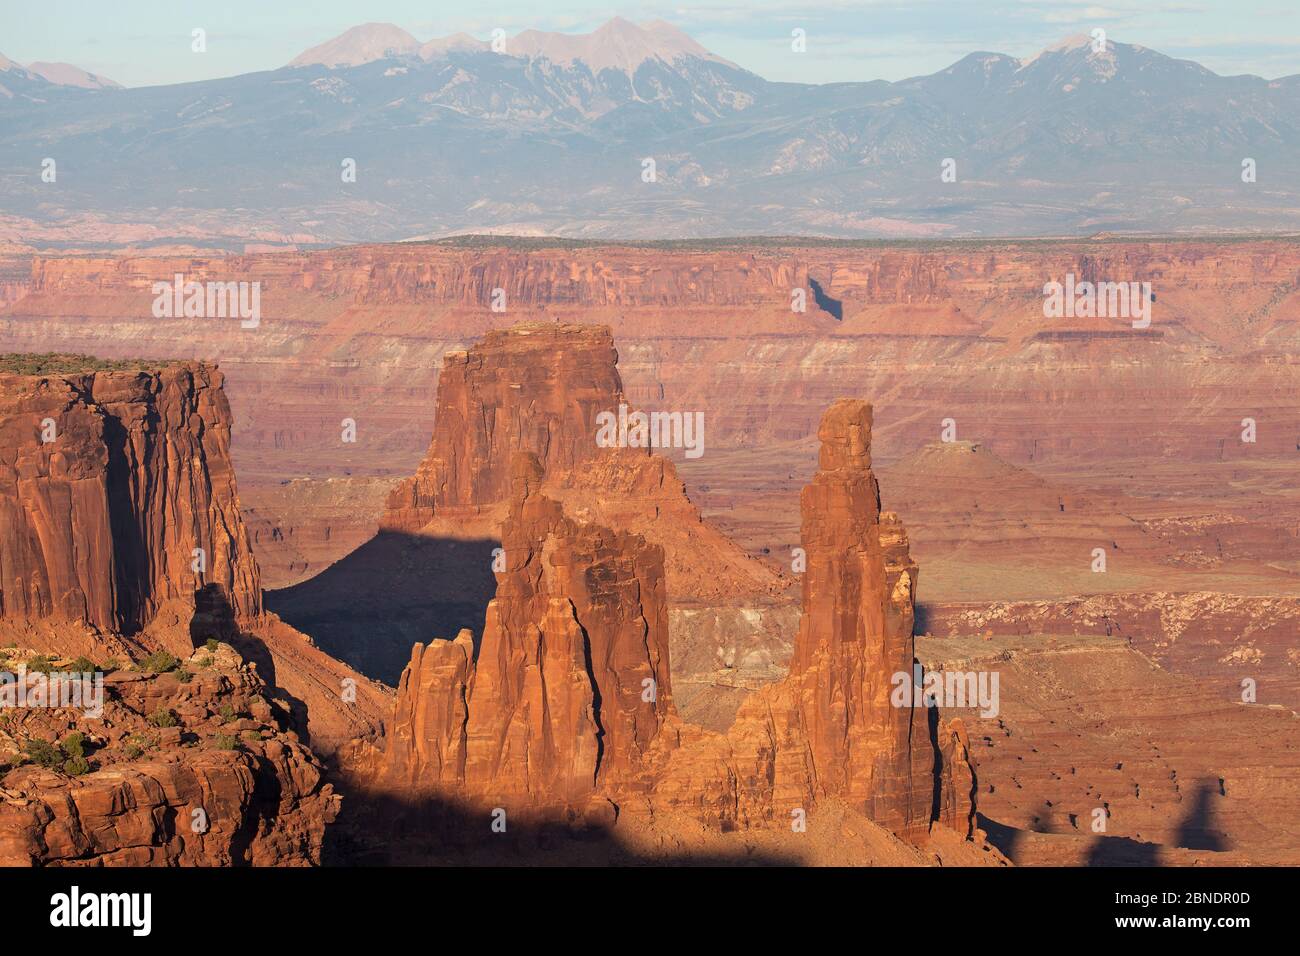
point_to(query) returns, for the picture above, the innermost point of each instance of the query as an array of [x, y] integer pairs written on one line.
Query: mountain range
[[637, 131]]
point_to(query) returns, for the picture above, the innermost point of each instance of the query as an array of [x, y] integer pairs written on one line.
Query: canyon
[[1013, 447]]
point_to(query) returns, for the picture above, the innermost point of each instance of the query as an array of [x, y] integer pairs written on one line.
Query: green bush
[[227, 713], [184, 676], [40, 663], [159, 662], [207, 660], [226, 742], [42, 753], [212, 644], [82, 665], [74, 745], [76, 766], [163, 718], [135, 745]]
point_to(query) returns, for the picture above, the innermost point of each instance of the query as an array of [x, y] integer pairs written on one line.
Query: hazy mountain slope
[[552, 136]]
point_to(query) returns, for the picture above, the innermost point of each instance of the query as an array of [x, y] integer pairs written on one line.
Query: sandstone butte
[[568, 713], [121, 534], [539, 387]]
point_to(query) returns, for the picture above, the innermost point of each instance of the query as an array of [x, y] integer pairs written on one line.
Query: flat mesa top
[[60, 363]]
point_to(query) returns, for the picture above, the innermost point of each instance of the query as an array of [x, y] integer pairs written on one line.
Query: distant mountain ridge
[[638, 131], [619, 45], [56, 74]]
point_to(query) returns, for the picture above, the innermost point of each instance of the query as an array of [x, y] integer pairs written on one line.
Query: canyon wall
[[117, 497], [946, 330]]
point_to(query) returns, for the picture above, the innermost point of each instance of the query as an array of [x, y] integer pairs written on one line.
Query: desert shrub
[[226, 742], [162, 717], [81, 665], [212, 644], [42, 753], [227, 713], [160, 662], [76, 766], [40, 663], [207, 660], [135, 745], [74, 745], [184, 676]]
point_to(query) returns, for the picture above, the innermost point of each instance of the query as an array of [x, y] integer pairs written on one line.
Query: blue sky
[[144, 42]]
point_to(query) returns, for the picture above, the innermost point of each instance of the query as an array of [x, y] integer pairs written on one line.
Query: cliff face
[[107, 521], [536, 388], [121, 533], [361, 332], [571, 684]]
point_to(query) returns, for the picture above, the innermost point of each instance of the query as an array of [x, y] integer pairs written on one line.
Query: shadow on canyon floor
[[1195, 832], [368, 608], [392, 831]]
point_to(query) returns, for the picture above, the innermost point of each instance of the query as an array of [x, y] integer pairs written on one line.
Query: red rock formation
[[535, 388], [832, 727], [553, 712], [259, 792], [856, 634], [539, 387], [100, 524], [122, 533], [571, 684]]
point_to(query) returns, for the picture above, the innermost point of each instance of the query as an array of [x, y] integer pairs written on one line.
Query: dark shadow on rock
[[833, 307], [368, 608], [214, 616], [1122, 851], [1196, 831], [1003, 837], [394, 831]]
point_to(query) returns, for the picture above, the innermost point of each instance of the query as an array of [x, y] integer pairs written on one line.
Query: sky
[[147, 42]]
